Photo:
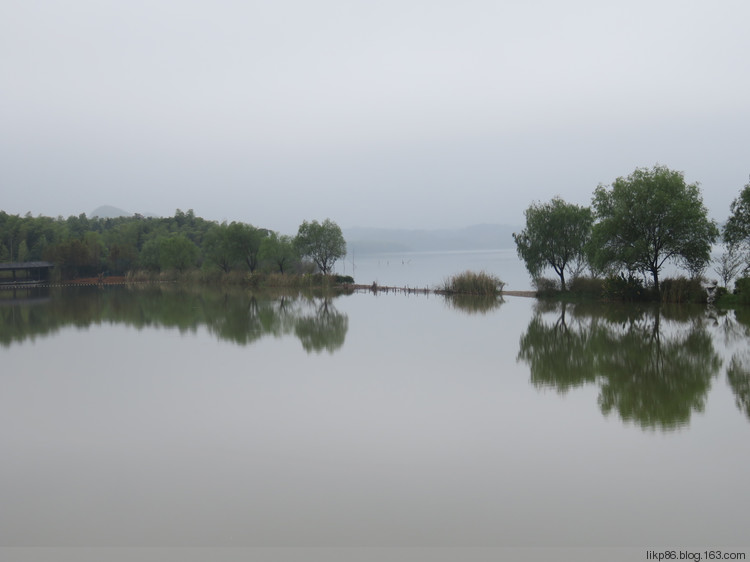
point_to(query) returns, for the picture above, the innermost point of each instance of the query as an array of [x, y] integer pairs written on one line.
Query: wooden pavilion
[[25, 272]]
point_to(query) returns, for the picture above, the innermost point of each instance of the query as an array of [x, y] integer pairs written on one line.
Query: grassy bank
[[678, 290], [242, 279], [673, 290]]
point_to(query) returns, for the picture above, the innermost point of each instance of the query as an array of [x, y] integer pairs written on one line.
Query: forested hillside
[[81, 246]]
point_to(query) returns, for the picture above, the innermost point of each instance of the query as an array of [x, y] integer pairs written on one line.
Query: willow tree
[[323, 243], [555, 236], [649, 218]]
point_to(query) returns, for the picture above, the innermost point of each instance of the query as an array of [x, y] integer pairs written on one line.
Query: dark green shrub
[[621, 288], [589, 286], [742, 290], [546, 286]]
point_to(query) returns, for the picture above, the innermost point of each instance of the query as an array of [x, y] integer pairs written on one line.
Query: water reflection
[[732, 328], [473, 304], [238, 316], [738, 375], [653, 366], [326, 329]]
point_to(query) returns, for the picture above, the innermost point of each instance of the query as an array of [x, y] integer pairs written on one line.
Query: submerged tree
[[555, 236], [649, 218]]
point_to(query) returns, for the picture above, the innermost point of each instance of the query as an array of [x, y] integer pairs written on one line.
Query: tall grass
[[682, 290], [472, 283]]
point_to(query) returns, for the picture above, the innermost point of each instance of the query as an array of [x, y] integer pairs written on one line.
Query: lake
[[429, 269], [156, 416]]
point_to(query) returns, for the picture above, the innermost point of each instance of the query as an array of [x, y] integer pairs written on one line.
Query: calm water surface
[[157, 416], [431, 269]]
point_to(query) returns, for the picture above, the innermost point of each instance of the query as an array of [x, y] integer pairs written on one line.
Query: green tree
[[77, 226], [150, 256], [322, 243], [278, 249], [649, 218], [23, 251], [737, 228], [39, 246], [96, 251], [245, 240], [121, 258], [555, 236], [73, 257], [178, 252], [218, 248]]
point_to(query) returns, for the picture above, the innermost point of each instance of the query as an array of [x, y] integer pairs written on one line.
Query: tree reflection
[[238, 316], [558, 355], [733, 327], [653, 375], [323, 330], [738, 376]]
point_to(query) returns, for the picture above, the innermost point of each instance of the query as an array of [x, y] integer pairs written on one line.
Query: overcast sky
[[408, 113]]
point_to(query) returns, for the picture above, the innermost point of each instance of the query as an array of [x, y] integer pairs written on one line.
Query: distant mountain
[[382, 240], [110, 212]]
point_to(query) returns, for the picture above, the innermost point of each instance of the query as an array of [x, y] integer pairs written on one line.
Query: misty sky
[[409, 114]]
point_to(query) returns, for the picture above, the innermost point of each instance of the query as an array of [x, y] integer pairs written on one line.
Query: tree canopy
[[81, 247], [244, 242], [555, 236], [323, 243], [737, 228], [278, 249], [649, 218]]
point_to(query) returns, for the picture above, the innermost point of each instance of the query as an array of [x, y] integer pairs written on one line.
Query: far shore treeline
[[615, 249], [87, 247], [618, 247]]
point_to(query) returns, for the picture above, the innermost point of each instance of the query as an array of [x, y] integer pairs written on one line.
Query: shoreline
[[373, 288]]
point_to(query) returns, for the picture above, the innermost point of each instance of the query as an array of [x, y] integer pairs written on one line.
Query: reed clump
[[683, 290], [473, 283]]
